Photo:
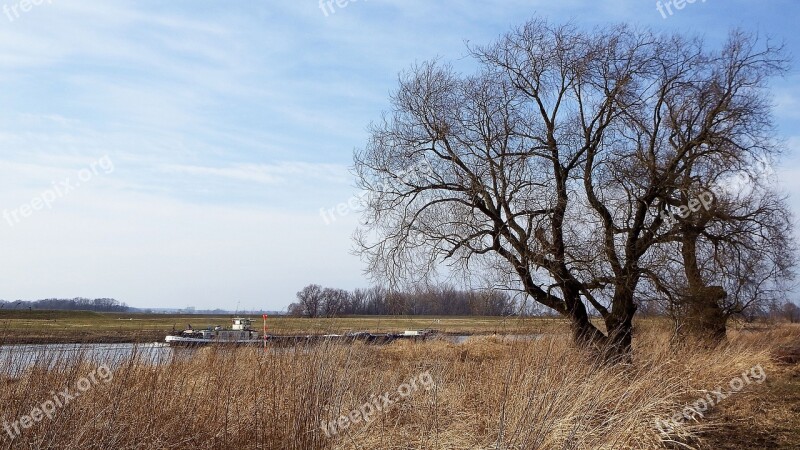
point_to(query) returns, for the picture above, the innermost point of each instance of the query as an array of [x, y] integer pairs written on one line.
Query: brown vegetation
[[490, 393]]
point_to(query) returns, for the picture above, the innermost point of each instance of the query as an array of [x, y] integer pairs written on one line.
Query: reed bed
[[486, 393]]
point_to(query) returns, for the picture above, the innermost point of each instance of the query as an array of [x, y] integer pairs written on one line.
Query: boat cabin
[[242, 324]]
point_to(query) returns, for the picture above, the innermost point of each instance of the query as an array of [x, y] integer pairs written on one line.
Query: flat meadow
[[45, 327]]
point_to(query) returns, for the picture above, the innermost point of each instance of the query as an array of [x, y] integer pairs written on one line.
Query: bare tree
[[334, 302], [734, 257], [295, 310], [727, 242], [790, 312], [358, 301], [548, 164], [310, 300]]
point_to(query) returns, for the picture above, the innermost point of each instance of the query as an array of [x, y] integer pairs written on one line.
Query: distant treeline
[[317, 301], [74, 304]]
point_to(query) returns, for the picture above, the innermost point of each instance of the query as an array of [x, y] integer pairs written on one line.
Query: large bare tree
[[550, 163]]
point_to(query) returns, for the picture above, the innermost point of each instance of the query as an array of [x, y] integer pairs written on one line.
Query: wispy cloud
[[279, 173]]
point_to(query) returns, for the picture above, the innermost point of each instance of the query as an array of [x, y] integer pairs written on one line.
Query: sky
[[180, 153]]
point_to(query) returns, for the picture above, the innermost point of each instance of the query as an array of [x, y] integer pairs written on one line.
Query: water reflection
[[15, 359]]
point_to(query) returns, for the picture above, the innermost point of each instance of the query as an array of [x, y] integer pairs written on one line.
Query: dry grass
[[490, 393], [769, 417]]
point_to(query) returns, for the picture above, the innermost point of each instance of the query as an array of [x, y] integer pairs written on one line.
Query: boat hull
[[183, 341], [369, 338]]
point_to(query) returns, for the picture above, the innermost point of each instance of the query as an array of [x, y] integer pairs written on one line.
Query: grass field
[[84, 326], [486, 393]]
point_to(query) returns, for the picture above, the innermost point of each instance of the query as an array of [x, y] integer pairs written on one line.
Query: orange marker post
[[265, 333]]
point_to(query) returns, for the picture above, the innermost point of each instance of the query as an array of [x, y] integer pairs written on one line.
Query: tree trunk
[[616, 346], [704, 316], [584, 333], [619, 324]]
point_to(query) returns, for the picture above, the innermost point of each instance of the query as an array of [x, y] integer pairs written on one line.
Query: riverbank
[[484, 393]]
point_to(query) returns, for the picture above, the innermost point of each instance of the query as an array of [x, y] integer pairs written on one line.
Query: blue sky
[[176, 153]]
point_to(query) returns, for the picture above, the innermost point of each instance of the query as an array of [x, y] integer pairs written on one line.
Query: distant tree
[[310, 300], [295, 310], [358, 301], [790, 312], [79, 303], [376, 301], [396, 304], [334, 302]]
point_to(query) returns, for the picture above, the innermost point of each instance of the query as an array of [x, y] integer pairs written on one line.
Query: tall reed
[[488, 393]]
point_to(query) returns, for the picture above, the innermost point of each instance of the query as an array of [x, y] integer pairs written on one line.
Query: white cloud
[[269, 173]]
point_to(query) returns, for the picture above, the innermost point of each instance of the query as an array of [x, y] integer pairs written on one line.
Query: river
[[15, 359]]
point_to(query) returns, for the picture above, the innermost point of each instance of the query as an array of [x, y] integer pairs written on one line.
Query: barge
[[241, 333]]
